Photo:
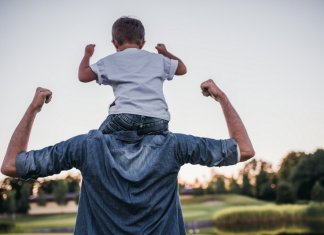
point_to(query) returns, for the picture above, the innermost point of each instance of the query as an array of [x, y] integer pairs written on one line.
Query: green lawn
[[28, 223], [194, 208], [204, 207]]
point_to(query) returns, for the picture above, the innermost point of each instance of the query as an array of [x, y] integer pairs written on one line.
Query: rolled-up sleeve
[[99, 70], [51, 160], [206, 152]]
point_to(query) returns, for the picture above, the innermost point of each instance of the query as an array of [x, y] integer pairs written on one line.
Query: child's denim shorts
[[131, 122]]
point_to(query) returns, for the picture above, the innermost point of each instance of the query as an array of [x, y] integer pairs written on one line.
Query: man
[[129, 181]]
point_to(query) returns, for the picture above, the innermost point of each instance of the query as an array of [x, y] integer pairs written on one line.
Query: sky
[[267, 56]]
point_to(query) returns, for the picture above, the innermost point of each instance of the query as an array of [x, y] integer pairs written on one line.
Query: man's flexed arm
[[234, 123], [19, 140]]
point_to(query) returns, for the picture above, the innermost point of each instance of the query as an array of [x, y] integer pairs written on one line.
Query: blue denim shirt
[[129, 181]]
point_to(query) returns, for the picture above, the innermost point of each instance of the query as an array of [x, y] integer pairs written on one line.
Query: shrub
[[247, 215]]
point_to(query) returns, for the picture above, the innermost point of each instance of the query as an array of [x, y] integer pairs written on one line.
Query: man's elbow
[[8, 170], [247, 154]]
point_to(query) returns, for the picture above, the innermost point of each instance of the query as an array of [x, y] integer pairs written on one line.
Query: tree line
[[16, 194], [299, 178]]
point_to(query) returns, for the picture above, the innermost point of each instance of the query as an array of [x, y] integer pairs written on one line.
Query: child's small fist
[[89, 49], [161, 48]]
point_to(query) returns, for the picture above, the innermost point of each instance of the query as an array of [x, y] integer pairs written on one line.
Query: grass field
[[194, 209], [204, 207]]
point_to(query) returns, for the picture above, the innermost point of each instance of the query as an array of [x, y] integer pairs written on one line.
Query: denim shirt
[[129, 182]]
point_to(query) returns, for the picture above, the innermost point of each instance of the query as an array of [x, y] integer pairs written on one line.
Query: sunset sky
[[268, 57]]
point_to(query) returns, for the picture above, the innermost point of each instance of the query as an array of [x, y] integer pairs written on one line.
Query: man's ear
[[115, 43], [141, 44]]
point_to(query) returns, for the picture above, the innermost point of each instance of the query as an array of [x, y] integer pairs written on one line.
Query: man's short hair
[[127, 29]]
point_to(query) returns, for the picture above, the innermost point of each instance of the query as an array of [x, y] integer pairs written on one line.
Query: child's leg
[[115, 122], [151, 125], [132, 122]]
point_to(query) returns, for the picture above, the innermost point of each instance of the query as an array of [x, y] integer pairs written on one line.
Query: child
[[136, 77]]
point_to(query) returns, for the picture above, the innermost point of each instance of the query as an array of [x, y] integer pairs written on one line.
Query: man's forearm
[[19, 139], [18, 142], [236, 128]]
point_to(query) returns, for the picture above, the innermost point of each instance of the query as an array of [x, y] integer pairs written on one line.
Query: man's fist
[[42, 95], [209, 88]]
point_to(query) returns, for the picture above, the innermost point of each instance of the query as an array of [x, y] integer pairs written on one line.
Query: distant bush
[[284, 219], [268, 214]]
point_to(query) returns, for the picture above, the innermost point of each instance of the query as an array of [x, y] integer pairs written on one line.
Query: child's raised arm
[[85, 72], [181, 69]]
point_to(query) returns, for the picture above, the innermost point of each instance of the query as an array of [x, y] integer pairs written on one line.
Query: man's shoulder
[[132, 135], [95, 133], [92, 134]]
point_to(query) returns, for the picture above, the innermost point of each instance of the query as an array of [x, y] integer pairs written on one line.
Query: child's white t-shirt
[[136, 77]]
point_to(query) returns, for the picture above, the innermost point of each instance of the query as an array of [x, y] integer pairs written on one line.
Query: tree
[[60, 191], [288, 163], [220, 186], [308, 170], [264, 186], [250, 169], [3, 195], [23, 201], [256, 178], [41, 197], [267, 192], [246, 188], [317, 193], [262, 182], [210, 189], [234, 186], [73, 184], [23, 190], [285, 193], [12, 207], [77, 198], [48, 186]]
